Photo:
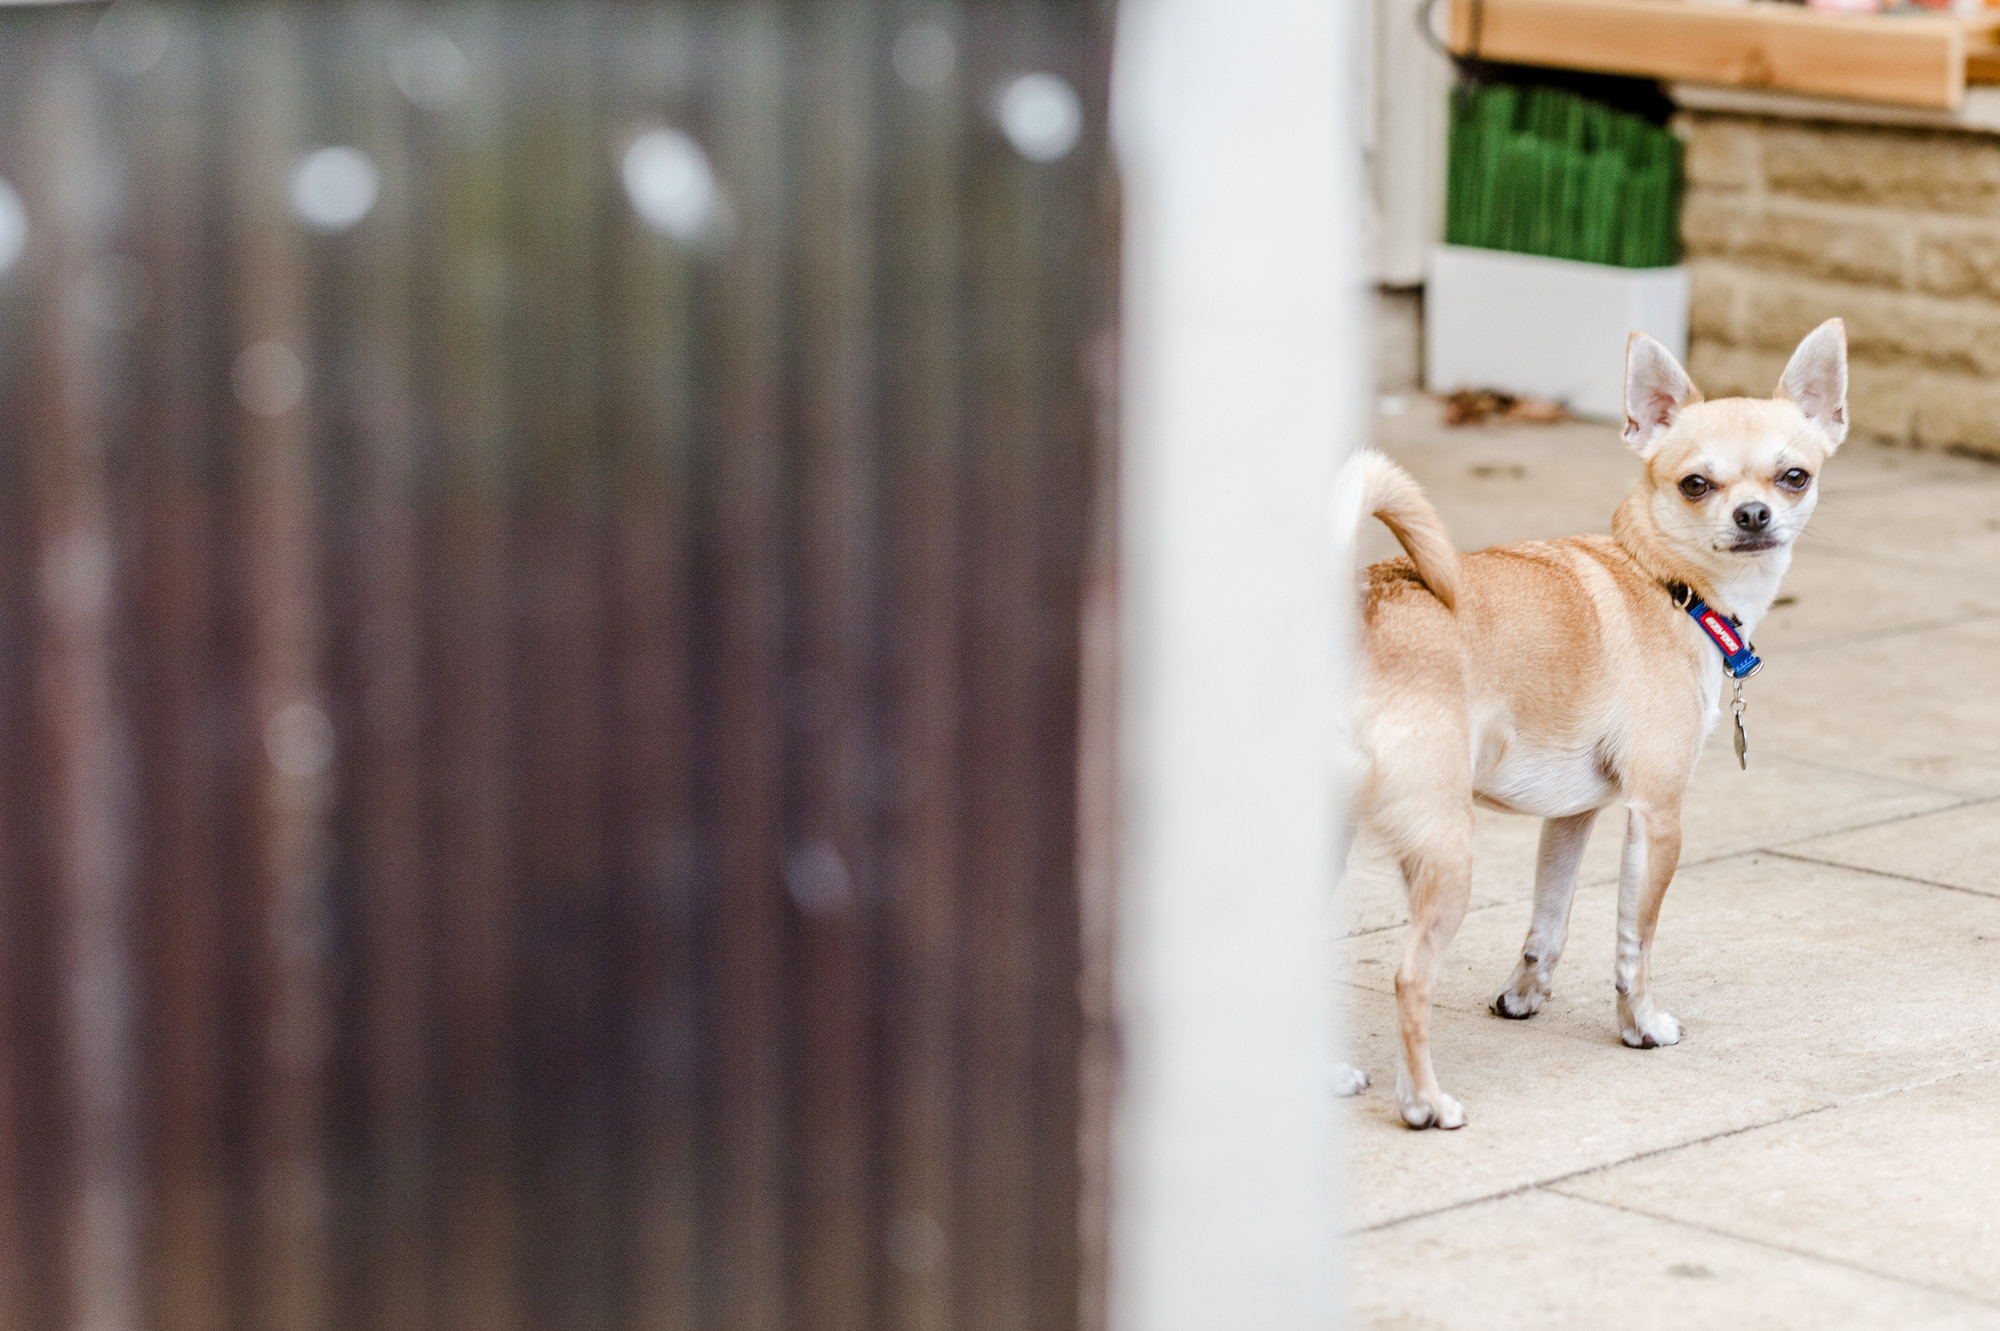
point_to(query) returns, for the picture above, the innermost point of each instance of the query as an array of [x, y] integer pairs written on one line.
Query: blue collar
[[1738, 658]]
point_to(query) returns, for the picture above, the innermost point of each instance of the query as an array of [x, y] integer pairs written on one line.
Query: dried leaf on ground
[[1477, 406]]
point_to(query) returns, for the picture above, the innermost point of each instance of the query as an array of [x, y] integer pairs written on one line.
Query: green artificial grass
[[1541, 171]]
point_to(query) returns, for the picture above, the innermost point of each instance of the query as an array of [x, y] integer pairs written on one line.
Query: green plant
[[1542, 171]]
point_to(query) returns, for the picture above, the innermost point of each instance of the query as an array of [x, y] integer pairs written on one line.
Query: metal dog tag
[[1742, 739]]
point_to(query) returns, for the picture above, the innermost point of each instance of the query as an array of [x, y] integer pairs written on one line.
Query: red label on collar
[[1718, 629]]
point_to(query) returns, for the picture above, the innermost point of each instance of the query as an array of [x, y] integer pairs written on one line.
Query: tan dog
[[1554, 677]]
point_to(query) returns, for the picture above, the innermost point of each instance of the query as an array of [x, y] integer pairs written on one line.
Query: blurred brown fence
[[538, 720]]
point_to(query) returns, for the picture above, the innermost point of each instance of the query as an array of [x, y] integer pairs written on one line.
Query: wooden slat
[[923, 374], [461, 166], [83, 748], [284, 744], [1982, 64], [1073, 305], [649, 308], [746, 322], [1905, 61], [174, 596], [560, 747], [373, 407], [831, 868], [1002, 629]]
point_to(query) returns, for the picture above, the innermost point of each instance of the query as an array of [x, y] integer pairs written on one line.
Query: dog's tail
[[1374, 485]]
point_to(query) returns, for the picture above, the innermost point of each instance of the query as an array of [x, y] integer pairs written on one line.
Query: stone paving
[[1823, 1148]]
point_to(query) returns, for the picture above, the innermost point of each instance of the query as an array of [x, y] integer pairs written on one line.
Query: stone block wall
[[1895, 230]]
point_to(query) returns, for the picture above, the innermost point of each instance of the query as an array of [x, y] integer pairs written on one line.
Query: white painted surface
[[1244, 383], [1410, 111], [1548, 328]]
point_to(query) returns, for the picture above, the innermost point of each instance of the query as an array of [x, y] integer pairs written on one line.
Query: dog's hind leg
[[1344, 1078], [1563, 840], [1440, 883], [1652, 850]]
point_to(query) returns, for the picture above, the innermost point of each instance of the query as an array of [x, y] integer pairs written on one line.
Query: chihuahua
[[1554, 677]]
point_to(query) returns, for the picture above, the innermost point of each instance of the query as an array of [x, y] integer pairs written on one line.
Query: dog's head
[[1732, 481]]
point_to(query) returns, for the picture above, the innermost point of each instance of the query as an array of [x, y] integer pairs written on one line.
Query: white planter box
[[1547, 328]]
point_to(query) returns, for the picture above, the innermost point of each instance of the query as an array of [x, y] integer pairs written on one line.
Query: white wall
[[1244, 381]]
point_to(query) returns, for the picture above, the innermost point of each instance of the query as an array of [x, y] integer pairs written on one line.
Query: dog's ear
[[1656, 391], [1816, 380]]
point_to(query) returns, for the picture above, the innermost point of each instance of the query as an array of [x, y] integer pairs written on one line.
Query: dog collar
[[1738, 658]]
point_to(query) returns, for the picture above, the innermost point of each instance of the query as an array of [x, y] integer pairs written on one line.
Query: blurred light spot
[[13, 226], [333, 188], [916, 1243], [668, 179], [1393, 404], [924, 55], [130, 38], [299, 740], [817, 879], [1041, 117], [114, 295], [268, 378], [428, 68], [76, 574]]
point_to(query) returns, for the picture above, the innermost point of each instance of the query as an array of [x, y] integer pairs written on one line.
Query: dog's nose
[[1753, 517]]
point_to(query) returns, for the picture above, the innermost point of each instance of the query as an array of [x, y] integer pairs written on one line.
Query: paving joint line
[[1821, 764], [1807, 1253], [1551, 1183], [1722, 857], [1582, 885], [1884, 873], [1534, 1185], [1967, 802]]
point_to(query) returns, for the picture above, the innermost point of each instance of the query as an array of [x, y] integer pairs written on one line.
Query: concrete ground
[[1823, 1147]]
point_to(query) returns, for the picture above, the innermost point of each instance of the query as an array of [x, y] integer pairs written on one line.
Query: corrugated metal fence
[[539, 663]]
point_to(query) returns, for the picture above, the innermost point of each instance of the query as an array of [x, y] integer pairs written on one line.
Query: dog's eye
[[1694, 487], [1795, 479]]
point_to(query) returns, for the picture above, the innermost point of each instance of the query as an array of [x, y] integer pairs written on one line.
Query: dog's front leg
[[1563, 840], [1652, 850]]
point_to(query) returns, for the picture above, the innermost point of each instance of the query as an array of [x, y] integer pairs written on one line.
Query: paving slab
[[1918, 524], [1546, 1262], [1539, 1106], [1918, 706], [1513, 483], [1826, 980], [1959, 847], [1833, 597], [1906, 1186]]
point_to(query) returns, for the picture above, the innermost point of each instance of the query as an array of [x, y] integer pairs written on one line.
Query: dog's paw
[[1347, 1080], [1652, 1032], [1436, 1110], [1526, 990]]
